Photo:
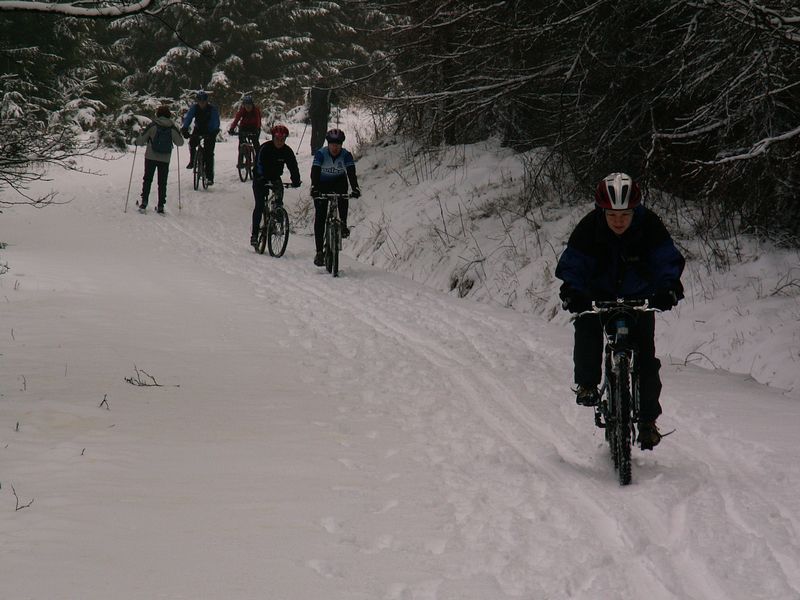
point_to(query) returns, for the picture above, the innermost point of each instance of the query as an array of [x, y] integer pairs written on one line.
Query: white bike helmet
[[617, 192]]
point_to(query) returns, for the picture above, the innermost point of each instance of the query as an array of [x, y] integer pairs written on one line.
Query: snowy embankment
[[451, 220], [360, 438]]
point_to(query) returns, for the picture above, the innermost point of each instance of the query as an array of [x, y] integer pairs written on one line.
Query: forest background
[[698, 100]]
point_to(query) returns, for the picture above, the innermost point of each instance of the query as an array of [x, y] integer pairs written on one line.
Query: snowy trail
[[451, 459]]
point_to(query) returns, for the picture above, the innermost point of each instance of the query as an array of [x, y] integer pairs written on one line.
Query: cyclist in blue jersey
[[206, 124], [332, 169]]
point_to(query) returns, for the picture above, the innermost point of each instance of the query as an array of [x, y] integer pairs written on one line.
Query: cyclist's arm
[[213, 122], [189, 117], [291, 163], [351, 176], [236, 119]]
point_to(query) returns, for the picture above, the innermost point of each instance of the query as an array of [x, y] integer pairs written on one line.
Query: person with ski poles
[[159, 137]]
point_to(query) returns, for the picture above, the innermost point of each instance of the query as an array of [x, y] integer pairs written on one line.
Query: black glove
[[664, 300], [356, 193], [185, 132], [314, 192], [296, 184], [231, 131], [576, 303]]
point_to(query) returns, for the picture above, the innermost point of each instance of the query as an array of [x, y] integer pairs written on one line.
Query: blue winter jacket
[[601, 265], [206, 121]]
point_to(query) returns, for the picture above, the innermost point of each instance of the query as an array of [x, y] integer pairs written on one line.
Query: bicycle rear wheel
[[278, 232]]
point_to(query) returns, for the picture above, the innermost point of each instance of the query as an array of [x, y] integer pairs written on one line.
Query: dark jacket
[[604, 266], [271, 161]]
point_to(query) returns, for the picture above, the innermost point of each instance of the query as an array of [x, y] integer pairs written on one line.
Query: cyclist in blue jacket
[[620, 250], [331, 170], [206, 124]]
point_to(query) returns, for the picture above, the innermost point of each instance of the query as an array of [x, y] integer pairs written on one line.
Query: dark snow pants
[[150, 167], [588, 359]]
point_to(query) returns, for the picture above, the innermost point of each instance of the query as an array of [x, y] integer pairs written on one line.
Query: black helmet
[[335, 136]]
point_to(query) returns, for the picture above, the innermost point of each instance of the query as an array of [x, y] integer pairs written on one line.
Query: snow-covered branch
[[83, 8]]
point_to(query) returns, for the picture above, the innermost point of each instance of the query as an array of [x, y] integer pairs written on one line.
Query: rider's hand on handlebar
[[664, 300], [356, 193], [577, 303], [185, 132], [231, 131], [296, 184]]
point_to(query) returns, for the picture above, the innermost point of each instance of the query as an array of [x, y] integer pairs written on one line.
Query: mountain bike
[[618, 410], [273, 235], [332, 240], [199, 168], [246, 159]]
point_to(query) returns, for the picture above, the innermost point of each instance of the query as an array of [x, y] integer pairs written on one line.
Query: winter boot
[[649, 435], [587, 395]]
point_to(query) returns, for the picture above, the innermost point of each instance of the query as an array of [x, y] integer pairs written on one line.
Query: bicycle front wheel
[[332, 249], [622, 421], [278, 232], [263, 236], [198, 168], [241, 165]]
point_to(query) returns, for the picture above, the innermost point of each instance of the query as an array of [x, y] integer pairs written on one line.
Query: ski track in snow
[[527, 503]]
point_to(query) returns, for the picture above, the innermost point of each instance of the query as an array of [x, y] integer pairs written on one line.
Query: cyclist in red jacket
[[248, 118]]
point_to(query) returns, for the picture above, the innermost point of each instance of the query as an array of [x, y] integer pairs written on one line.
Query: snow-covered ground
[[367, 437]]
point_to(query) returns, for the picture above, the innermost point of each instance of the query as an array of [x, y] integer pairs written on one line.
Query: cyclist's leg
[[260, 197], [209, 143], [147, 181], [194, 141], [344, 204], [588, 352], [649, 367], [320, 214]]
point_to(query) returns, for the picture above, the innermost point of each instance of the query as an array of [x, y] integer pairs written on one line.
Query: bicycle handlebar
[[604, 306], [331, 195]]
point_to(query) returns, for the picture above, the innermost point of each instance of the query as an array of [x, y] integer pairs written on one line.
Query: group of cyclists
[[620, 249], [333, 169]]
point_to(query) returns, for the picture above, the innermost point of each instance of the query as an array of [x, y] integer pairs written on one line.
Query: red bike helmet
[[617, 192], [335, 136], [280, 131]]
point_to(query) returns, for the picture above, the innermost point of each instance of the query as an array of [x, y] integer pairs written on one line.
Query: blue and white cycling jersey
[[332, 168]]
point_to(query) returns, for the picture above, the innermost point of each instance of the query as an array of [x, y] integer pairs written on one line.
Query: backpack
[[162, 140]]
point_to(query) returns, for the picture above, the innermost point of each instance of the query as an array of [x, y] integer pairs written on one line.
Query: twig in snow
[[19, 506], [105, 401]]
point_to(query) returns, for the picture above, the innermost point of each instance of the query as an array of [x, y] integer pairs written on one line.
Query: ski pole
[[300, 143], [127, 196], [178, 158]]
